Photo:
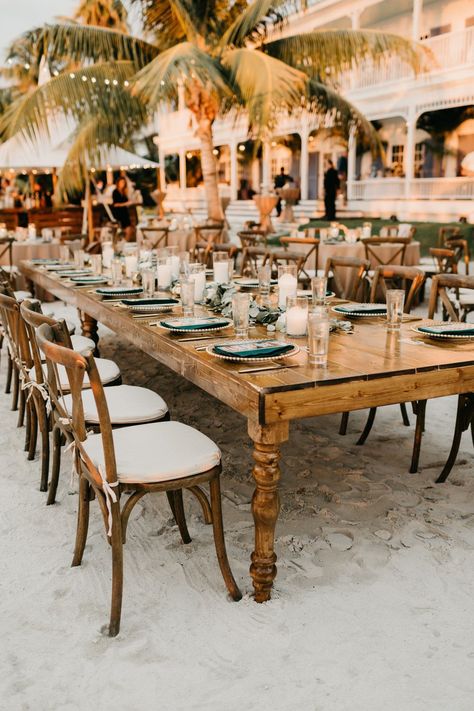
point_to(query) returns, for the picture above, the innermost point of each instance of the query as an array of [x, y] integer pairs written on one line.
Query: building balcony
[[450, 50], [416, 189]]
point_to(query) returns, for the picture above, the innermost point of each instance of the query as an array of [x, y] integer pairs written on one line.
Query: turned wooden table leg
[[265, 504], [89, 329]]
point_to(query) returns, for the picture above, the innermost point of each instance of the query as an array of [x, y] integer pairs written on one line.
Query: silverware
[[262, 368], [150, 315], [199, 338]]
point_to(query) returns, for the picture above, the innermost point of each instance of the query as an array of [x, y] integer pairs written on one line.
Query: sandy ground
[[373, 603]]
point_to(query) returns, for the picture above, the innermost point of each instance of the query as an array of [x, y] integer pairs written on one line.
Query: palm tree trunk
[[209, 170]]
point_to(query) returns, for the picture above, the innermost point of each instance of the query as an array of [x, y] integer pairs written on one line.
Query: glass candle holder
[[187, 296], [240, 314], [131, 264], [296, 316], [79, 257], [173, 261], [264, 281], [96, 263], [318, 336], [197, 274], [319, 286], [148, 281], [183, 264], [221, 267], [287, 283], [395, 299], [64, 254], [163, 273], [116, 269]]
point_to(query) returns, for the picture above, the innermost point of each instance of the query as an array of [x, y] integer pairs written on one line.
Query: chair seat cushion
[[82, 345], [156, 452], [127, 404], [22, 295], [108, 372]]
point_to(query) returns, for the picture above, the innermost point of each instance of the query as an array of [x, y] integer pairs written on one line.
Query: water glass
[[395, 303], [221, 265], [318, 336], [116, 269], [319, 286], [296, 315], [79, 257], [240, 314], [64, 253], [184, 264], [264, 280], [187, 296], [197, 274], [148, 282], [96, 263]]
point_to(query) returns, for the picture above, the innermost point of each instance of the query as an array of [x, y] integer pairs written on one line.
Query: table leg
[[89, 329], [265, 503]]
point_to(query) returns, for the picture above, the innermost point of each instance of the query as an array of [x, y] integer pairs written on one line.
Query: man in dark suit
[[331, 186]]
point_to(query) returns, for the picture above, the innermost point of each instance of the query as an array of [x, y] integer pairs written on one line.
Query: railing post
[[410, 150], [304, 166]]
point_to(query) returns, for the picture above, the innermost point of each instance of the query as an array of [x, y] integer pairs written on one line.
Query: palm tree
[[102, 13], [226, 58]]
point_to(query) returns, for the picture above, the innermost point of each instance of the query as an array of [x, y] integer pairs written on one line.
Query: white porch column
[[409, 158], [304, 164], [255, 175], [233, 170], [266, 167], [351, 161], [416, 19], [355, 19], [182, 170], [161, 160]]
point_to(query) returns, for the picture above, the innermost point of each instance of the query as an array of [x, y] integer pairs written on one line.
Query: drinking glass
[[96, 263], [197, 274], [79, 256], [187, 296], [318, 336], [395, 303], [319, 286], [131, 264], [264, 280], [184, 264], [148, 281], [221, 265], [64, 254], [116, 269], [163, 272], [240, 314], [287, 283], [296, 315], [173, 261]]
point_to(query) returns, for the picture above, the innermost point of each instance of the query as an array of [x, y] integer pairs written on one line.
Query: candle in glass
[[287, 283], [296, 315], [107, 254], [221, 264], [163, 273], [173, 261], [197, 274], [131, 265]]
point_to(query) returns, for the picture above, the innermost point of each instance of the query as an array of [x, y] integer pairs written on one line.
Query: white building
[[426, 122]]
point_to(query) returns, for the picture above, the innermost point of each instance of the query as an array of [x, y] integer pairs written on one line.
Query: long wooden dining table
[[368, 368]]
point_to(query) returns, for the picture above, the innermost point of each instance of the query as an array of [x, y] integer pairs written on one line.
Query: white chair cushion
[[82, 345], [108, 372], [22, 295], [158, 452], [128, 404]]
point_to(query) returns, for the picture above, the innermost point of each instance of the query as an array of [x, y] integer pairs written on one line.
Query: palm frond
[[185, 62], [79, 43], [101, 88], [264, 85], [339, 50], [159, 21], [254, 20]]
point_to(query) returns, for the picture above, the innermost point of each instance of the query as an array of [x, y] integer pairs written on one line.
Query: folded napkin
[[193, 324], [448, 330], [254, 349], [149, 302], [375, 309]]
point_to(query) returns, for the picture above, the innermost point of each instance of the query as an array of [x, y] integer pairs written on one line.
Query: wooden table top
[[367, 368]]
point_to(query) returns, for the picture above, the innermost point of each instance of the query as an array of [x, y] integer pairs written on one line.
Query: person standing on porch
[[280, 181], [331, 186], [121, 205]]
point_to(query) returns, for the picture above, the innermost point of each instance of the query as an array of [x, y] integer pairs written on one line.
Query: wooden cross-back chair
[[445, 260], [251, 258], [456, 296], [6, 247], [203, 251], [447, 233], [440, 287], [312, 243], [169, 457], [400, 277], [156, 236], [359, 267], [461, 251], [396, 256], [279, 257], [212, 230], [389, 231]]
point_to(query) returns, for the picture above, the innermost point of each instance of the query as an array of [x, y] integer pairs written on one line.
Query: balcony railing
[[454, 49], [417, 189]]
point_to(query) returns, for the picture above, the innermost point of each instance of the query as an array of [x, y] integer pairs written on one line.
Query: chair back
[[211, 231], [280, 257], [397, 276], [461, 250], [444, 259], [333, 271], [6, 283], [250, 260], [396, 255], [16, 334], [33, 318], [6, 247], [250, 238], [447, 233], [312, 243], [203, 251], [440, 286], [155, 236], [76, 367]]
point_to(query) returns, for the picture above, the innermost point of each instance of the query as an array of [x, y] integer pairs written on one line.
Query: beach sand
[[372, 606]]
